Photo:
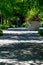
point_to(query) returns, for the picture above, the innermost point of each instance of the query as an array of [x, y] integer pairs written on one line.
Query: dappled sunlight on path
[[21, 48], [22, 54]]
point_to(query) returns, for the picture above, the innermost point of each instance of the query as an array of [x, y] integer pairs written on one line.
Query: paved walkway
[[21, 47], [13, 62], [17, 35]]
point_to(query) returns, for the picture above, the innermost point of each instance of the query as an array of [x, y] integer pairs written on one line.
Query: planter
[[40, 31]]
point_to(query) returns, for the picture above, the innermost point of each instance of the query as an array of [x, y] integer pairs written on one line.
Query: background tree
[[25, 8]]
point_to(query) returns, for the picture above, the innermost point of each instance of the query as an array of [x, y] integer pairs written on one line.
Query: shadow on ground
[[22, 52], [30, 36]]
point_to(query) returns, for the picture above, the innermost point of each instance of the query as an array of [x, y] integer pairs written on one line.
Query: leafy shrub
[[10, 26], [42, 25], [13, 26], [24, 25], [0, 26], [4, 26], [40, 31], [1, 33]]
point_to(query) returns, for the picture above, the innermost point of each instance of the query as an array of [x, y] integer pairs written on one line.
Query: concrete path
[[7, 42], [14, 62], [18, 32], [17, 47], [12, 36]]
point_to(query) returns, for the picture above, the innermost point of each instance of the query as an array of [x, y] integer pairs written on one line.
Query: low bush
[[42, 25], [13, 26], [1, 33], [0, 26], [40, 31], [24, 25], [10, 26], [4, 26]]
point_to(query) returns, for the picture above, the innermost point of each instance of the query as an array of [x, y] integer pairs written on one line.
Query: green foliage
[[13, 26], [1, 33], [42, 25], [8, 7], [10, 26], [24, 25], [4, 26], [34, 11], [40, 31], [41, 15], [28, 8], [0, 26]]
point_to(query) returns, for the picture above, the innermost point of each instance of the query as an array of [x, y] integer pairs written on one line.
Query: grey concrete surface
[[21, 48]]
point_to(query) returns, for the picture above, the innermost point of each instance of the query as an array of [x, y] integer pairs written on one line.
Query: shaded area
[[23, 53], [30, 36], [21, 19]]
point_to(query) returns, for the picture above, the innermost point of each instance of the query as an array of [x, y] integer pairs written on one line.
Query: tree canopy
[[25, 7]]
